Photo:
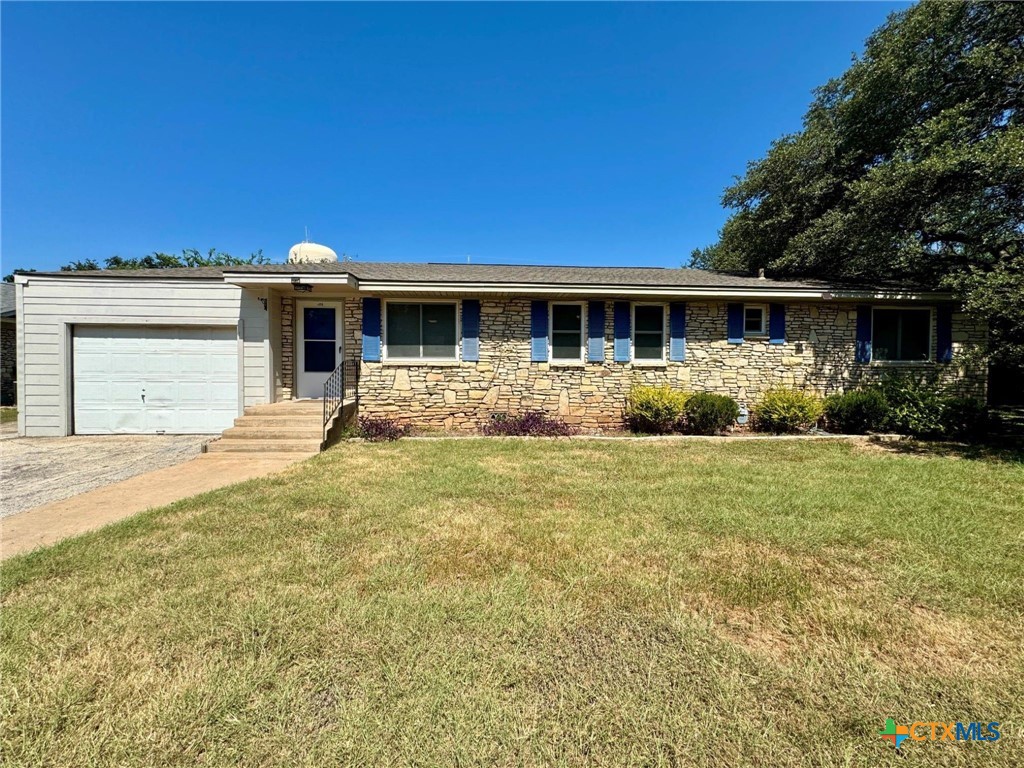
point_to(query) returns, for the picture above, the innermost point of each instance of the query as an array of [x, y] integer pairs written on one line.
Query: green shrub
[[857, 412], [710, 414], [655, 410], [915, 405], [786, 410], [966, 418]]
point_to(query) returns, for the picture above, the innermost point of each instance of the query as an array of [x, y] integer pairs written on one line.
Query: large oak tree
[[910, 166]]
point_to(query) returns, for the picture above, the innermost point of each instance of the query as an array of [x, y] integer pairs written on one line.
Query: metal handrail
[[342, 379]]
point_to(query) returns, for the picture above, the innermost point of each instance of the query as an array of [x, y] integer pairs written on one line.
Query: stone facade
[[818, 354], [8, 362], [287, 347]]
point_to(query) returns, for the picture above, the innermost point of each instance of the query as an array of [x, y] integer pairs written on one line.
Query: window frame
[[764, 321], [931, 335], [632, 332], [583, 334], [387, 357]]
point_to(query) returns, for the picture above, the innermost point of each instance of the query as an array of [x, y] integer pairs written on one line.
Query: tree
[[190, 257], [909, 166]]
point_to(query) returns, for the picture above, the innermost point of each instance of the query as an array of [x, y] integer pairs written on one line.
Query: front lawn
[[505, 602]]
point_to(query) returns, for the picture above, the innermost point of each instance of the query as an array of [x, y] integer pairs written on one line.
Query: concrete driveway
[[40, 470]]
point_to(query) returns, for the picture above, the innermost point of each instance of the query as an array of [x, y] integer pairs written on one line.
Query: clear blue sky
[[559, 134]]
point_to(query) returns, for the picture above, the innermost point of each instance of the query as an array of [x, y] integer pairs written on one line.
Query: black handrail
[[343, 380]]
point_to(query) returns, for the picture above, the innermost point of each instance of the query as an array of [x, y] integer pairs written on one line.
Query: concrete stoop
[[293, 426]]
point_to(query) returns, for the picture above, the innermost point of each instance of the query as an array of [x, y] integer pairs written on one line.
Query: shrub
[[966, 418], [655, 410], [786, 410], [530, 424], [381, 430], [915, 405], [709, 414], [857, 412]]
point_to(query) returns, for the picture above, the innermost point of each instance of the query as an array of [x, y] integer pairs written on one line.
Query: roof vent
[[311, 253], [760, 274]]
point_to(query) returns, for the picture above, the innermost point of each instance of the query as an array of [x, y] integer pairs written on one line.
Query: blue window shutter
[[777, 323], [371, 330], [863, 333], [944, 331], [470, 330], [595, 331], [539, 331], [734, 325], [677, 331], [622, 323]]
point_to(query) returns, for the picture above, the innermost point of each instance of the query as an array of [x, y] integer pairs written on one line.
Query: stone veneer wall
[[818, 355], [287, 347], [8, 362]]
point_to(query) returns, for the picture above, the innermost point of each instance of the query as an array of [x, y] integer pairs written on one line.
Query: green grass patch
[[8, 414], [506, 602]]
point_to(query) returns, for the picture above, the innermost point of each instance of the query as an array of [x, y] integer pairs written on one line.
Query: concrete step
[[294, 406], [275, 432], [283, 421], [264, 446]]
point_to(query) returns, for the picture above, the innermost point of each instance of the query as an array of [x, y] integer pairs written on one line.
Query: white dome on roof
[[310, 253]]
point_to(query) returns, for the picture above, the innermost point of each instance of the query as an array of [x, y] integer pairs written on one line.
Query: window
[[421, 331], [648, 332], [567, 333], [901, 335], [753, 320]]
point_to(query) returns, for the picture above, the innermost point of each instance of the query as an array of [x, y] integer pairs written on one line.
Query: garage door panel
[[189, 376], [122, 393], [166, 363], [222, 366], [124, 362], [92, 362]]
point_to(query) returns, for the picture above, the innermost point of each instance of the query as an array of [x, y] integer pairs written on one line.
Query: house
[[448, 345], [8, 344]]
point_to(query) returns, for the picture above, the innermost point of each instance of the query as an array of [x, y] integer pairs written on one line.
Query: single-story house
[[449, 345], [8, 344]]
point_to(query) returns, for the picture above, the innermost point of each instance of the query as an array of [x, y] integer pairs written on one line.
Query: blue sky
[[558, 134]]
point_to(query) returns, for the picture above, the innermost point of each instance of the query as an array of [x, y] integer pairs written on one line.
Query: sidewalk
[[50, 523]]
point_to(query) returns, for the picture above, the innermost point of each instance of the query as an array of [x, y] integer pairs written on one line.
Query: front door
[[319, 345]]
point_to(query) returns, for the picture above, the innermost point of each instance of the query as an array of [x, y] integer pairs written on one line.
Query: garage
[[151, 380]]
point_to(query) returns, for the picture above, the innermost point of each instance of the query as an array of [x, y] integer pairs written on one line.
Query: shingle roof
[[526, 273], [393, 271], [8, 307], [474, 273]]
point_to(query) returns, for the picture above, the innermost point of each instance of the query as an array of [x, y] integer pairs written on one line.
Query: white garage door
[[141, 380]]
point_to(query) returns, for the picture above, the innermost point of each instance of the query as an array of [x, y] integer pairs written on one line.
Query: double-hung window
[[566, 333], [648, 333], [901, 335], [754, 321], [421, 331]]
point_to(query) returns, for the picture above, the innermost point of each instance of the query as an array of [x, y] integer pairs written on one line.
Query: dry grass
[[533, 603]]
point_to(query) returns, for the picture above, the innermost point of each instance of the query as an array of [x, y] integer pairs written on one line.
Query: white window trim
[[581, 359], [386, 357], [764, 321], [931, 337], [632, 332]]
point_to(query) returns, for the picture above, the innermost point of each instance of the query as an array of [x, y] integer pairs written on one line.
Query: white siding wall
[[48, 306]]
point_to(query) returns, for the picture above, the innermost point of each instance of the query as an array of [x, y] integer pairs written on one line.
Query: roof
[[383, 275], [468, 273], [8, 308]]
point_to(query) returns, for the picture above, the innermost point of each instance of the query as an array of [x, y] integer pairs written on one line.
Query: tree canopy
[[910, 166], [190, 257]]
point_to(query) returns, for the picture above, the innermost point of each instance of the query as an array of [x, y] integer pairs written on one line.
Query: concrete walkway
[[50, 523]]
